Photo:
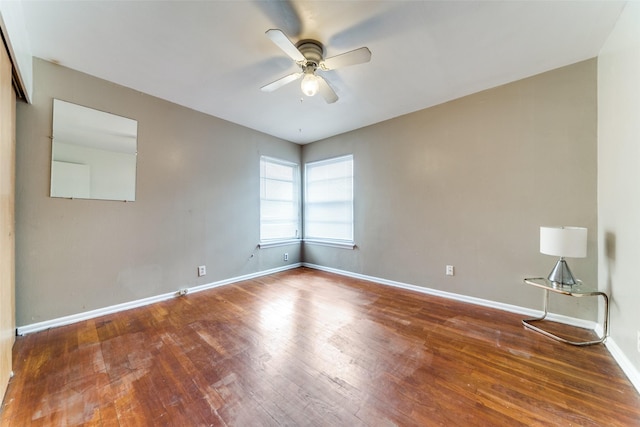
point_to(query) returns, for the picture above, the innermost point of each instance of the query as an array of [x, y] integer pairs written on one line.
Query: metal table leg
[[528, 322]]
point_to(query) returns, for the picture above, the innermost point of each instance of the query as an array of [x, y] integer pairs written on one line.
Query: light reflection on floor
[[310, 328]]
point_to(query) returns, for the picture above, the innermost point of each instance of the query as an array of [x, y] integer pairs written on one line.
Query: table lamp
[[570, 242]]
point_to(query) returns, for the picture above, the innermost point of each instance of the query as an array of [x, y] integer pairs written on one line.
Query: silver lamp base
[[561, 274]]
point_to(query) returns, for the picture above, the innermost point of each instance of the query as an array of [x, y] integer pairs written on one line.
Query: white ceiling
[[213, 56]]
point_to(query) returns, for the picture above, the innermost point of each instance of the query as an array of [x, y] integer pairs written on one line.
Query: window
[[279, 200], [329, 200]]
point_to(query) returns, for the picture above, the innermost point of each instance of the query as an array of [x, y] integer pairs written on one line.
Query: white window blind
[[329, 200], [279, 200]]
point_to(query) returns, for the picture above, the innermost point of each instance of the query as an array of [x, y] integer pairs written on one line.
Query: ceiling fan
[[309, 55]]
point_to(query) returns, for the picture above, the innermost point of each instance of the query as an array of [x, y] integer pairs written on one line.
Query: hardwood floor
[[305, 347]]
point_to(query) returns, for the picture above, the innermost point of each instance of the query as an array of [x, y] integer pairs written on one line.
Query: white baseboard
[[73, 318], [581, 323], [627, 367]]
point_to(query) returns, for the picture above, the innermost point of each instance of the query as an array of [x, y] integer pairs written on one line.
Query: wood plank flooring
[[308, 348]]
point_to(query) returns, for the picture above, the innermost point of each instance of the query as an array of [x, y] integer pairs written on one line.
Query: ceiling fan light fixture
[[310, 85], [308, 54]]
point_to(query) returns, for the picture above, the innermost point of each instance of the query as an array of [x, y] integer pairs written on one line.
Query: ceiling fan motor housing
[[312, 50]]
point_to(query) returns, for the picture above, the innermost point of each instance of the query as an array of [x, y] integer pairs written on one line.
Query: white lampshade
[[570, 242]]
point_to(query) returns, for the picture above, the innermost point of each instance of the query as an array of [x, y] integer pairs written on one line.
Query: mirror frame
[[93, 154]]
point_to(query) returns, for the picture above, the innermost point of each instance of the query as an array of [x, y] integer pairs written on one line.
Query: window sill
[[331, 243], [276, 243]]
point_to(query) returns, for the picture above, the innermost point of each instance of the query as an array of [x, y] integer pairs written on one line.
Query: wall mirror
[[93, 154]]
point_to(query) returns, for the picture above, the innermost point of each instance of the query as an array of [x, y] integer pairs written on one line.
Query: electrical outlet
[[449, 270], [202, 270], [286, 256], [182, 292]]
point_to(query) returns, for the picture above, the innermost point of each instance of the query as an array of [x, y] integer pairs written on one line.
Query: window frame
[[296, 201], [327, 241]]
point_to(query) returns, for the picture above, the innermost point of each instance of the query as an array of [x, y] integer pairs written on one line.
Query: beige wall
[[466, 183], [197, 202], [469, 183], [619, 178]]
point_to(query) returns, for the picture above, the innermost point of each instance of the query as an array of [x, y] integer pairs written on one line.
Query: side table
[[573, 291]]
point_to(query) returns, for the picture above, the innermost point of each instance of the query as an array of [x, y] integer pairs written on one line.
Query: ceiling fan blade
[[283, 42], [326, 91], [280, 82], [353, 57]]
